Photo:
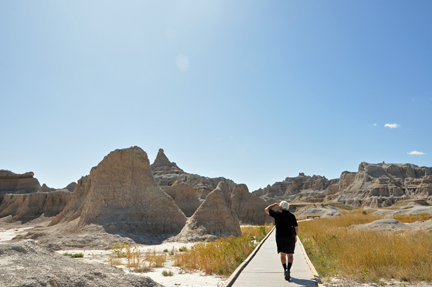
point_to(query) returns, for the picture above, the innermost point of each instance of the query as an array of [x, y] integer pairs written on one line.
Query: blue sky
[[254, 91]]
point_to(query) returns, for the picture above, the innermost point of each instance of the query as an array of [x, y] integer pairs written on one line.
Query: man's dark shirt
[[284, 221]]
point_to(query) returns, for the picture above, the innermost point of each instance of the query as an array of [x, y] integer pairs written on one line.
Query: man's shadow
[[303, 282]]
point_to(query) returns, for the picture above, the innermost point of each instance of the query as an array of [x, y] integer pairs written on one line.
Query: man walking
[[286, 234]]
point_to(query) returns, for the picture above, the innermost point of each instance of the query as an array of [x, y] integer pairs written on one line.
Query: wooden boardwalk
[[265, 269]]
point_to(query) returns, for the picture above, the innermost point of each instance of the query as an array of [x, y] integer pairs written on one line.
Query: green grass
[[74, 255], [167, 273]]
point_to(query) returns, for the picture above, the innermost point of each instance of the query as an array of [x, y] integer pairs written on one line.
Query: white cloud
[[374, 125], [414, 152], [391, 126]]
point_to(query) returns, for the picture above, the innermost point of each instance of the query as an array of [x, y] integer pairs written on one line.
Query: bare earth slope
[[25, 264]]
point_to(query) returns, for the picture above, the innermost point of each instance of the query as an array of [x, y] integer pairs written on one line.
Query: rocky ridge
[[375, 185]]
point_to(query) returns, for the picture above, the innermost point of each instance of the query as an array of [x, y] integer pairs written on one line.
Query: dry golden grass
[[221, 257], [409, 218], [154, 259], [114, 261], [133, 256], [258, 230], [366, 255], [135, 260]]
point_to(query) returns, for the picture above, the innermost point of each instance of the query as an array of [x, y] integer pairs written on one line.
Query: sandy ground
[[7, 234], [179, 277]]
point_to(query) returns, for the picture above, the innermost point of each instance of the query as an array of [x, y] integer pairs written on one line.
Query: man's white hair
[[284, 205]]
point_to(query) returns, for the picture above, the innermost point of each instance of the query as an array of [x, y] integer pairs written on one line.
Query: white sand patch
[[179, 278], [8, 234]]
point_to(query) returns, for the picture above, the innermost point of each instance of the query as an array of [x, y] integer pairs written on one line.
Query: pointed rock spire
[[162, 165]]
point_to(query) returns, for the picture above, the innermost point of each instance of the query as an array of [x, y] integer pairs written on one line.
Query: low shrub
[[167, 273]]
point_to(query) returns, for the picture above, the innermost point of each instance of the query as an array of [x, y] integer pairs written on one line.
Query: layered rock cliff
[[380, 185], [376, 185], [11, 182], [26, 207]]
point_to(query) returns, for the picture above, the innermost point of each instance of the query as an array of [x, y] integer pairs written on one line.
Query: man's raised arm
[[270, 207]]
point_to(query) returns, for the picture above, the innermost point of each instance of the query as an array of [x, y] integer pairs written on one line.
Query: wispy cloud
[[374, 125], [414, 152], [391, 126]]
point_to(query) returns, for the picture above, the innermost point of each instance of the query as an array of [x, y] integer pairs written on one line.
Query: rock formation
[[45, 188], [185, 197], [167, 173], [162, 165], [74, 208], [26, 207], [11, 182], [300, 188], [124, 198], [375, 185], [214, 218], [71, 186], [381, 185], [248, 207]]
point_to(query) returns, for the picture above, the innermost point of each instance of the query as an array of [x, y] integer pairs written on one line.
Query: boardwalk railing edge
[[309, 262], [230, 281]]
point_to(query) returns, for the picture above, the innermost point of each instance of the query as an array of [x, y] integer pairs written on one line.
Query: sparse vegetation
[[118, 250], [258, 232], [366, 255], [74, 255], [136, 261], [220, 257], [167, 273], [183, 249]]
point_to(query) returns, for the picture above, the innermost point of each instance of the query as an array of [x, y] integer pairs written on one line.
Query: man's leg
[[283, 260], [290, 260]]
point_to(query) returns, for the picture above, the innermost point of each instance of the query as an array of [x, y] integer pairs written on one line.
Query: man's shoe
[[287, 275]]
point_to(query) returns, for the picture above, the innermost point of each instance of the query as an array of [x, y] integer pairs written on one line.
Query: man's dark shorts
[[285, 244]]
